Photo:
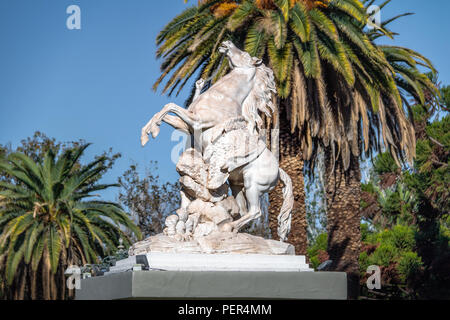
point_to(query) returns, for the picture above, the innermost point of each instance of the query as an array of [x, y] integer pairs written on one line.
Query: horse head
[[238, 58], [263, 87]]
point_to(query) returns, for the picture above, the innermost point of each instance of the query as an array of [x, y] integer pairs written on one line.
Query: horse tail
[[285, 217]]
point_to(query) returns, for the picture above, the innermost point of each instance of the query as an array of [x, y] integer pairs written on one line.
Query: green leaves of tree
[[46, 215]]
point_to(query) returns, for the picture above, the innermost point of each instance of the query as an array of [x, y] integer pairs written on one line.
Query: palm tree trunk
[[53, 287], [291, 161], [344, 220], [33, 278], [22, 285], [62, 281], [46, 276]]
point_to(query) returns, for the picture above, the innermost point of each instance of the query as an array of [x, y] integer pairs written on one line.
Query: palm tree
[[343, 176], [48, 222], [329, 76]]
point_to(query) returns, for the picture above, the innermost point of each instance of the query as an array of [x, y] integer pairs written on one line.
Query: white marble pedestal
[[217, 262]]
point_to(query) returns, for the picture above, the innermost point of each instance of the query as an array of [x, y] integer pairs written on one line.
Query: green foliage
[[364, 262], [400, 237], [48, 220], [412, 243], [315, 48], [320, 245], [37, 146], [368, 187], [148, 200], [390, 202], [445, 97], [409, 264], [431, 181], [394, 249], [392, 243], [384, 163], [365, 232], [383, 255], [445, 228]]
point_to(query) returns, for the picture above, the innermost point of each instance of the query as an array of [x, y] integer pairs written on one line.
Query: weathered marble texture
[[226, 122], [215, 243], [229, 156]]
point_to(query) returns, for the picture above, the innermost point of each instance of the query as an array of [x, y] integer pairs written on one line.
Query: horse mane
[[260, 98]]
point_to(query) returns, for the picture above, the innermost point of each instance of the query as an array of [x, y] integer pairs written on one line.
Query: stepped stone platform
[[142, 285], [215, 276], [217, 262]]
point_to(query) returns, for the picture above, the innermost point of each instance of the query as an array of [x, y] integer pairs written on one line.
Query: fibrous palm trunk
[[291, 161], [46, 275], [343, 191]]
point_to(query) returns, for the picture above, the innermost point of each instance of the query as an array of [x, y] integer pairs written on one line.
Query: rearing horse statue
[[243, 93]]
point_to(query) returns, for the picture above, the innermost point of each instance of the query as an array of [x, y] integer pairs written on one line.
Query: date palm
[[329, 76], [342, 181], [49, 222]]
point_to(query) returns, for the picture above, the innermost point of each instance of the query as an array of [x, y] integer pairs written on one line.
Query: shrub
[[408, 264], [385, 163], [383, 255], [365, 232], [364, 262], [319, 245], [400, 237]]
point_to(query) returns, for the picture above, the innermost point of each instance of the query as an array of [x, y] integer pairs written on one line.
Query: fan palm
[[48, 222]]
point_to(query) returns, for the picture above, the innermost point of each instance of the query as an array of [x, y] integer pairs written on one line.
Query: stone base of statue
[[214, 262], [214, 243], [180, 273], [237, 266], [227, 285]]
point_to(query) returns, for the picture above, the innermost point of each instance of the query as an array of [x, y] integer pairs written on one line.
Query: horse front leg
[[176, 123], [147, 129], [184, 121]]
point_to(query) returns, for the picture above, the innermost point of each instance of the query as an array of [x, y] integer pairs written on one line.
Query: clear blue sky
[[95, 83]]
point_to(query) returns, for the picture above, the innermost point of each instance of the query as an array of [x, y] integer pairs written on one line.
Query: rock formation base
[[215, 243]]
